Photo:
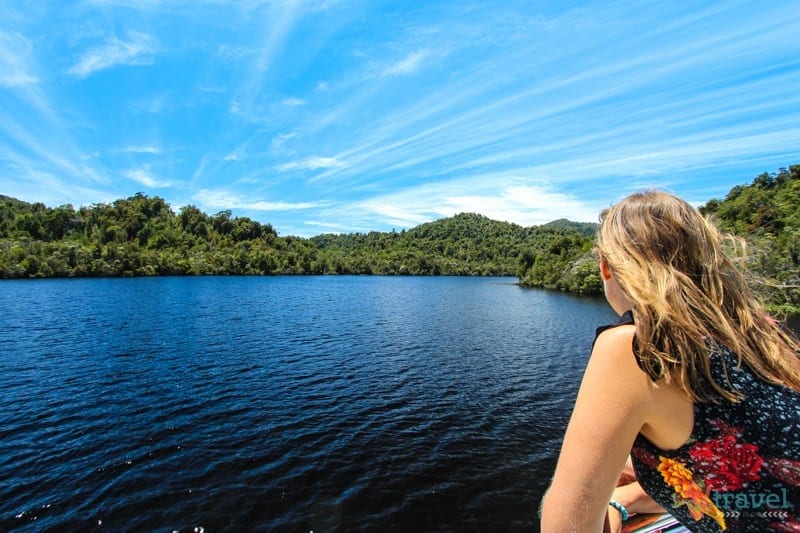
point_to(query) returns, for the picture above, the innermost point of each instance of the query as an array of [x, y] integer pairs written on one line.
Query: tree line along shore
[[143, 236]]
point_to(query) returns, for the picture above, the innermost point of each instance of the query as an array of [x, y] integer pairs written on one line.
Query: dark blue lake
[[284, 403]]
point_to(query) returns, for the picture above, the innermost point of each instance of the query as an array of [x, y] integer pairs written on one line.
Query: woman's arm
[[635, 500], [613, 404]]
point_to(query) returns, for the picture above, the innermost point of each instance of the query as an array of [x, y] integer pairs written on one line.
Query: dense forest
[[143, 236], [767, 214]]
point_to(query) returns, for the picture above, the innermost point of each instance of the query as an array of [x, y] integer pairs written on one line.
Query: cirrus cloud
[[137, 50], [226, 200], [310, 163], [143, 177]]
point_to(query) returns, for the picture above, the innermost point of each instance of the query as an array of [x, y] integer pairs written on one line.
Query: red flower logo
[[726, 464]]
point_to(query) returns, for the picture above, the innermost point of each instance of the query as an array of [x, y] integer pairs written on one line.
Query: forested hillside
[[142, 236], [767, 214], [466, 244]]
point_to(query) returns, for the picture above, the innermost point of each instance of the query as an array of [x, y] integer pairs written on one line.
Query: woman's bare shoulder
[[616, 342]]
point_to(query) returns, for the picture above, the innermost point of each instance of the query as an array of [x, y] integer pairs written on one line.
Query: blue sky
[[358, 115]]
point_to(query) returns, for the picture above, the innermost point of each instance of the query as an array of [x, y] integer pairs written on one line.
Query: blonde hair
[[686, 292]]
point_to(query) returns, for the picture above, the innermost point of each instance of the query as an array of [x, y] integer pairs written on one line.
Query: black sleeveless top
[[740, 469]]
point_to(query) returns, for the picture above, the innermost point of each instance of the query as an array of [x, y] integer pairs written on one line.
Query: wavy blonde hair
[[685, 291]]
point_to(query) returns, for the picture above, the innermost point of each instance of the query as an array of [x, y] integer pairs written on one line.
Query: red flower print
[[789, 526], [645, 457], [787, 470], [726, 430], [726, 464]]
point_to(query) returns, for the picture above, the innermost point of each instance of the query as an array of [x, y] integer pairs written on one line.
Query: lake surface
[[284, 403]]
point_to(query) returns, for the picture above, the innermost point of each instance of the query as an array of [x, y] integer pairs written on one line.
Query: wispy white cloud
[[501, 197], [199, 171], [535, 120], [310, 163], [42, 186], [131, 4], [138, 49], [329, 227], [279, 206], [150, 104], [44, 143], [230, 52], [525, 204], [408, 65], [249, 179], [35, 138], [213, 89], [218, 199], [145, 177], [278, 22], [244, 151], [41, 179], [15, 61], [141, 149], [294, 102], [280, 140]]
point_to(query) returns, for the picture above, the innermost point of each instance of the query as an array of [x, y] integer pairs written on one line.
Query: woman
[[695, 382]]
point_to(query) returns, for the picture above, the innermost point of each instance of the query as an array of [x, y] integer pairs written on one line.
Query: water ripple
[[326, 404]]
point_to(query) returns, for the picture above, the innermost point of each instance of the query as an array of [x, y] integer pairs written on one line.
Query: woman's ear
[[605, 269]]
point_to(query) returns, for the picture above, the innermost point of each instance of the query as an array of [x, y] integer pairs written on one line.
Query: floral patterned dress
[[740, 469]]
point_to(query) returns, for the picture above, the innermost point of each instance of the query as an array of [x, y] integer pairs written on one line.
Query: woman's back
[[740, 469]]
